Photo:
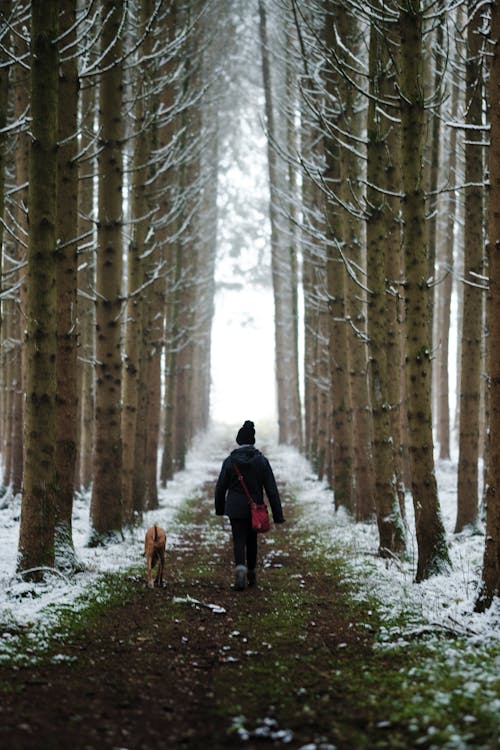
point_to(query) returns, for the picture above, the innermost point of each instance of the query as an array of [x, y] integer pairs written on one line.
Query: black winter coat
[[230, 497]]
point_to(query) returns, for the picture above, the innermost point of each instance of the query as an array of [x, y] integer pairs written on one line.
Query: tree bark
[[86, 283], [106, 508], [444, 291], [431, 539], [490, 584], [381, 339], [15, 308], [136, 326], [295, 406], [472, 326], [166, 199], [340, 386], [66, 281], [5, 20], [172, 339], [394, 312], [36, 537], [352, 120]]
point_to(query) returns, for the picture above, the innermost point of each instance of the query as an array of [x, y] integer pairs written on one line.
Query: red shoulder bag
[[260, 515]]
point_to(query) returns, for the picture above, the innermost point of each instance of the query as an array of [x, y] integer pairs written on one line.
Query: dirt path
[[160, 671]]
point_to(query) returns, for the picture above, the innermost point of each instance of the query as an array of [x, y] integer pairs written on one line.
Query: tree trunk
[[5, 11], [66, 280], [431, 539], [352, 120], [296, 436], [139, 457], [312, 267], [381, 340], [315, 350], [153, 424], [8, 364], [183, 360], [309, 362], [155, 308], [36, 537], [394, 312], [106, 506], [16, 307], [205, 286], [490, 585], [444, 291], [472, 327], [322, 384], [166, 133], [434, 55], [186, 252], [86, 282], [135, 329], [340, 386], [286, 357], [168, 466]]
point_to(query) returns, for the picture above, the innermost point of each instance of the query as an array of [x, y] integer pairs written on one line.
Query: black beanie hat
[[246, 434]]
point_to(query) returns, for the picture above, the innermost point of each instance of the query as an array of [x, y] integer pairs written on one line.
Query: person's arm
[[273, 494], [221, 489]]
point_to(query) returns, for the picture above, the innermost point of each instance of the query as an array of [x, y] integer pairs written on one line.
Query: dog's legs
[[162, 563], [154, 549], [150, 571], [161, 566]]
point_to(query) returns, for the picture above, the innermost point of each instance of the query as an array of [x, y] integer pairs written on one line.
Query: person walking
[[231, 500]]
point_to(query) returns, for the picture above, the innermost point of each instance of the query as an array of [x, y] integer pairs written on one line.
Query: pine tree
[[86, 282], [15, 308], [432, 550], [472, 322], [36, 538], [5, 11], [379, 224], [445, 269], [66, 280], [106, 508], [490, 585], [135, 326], [338, 349]]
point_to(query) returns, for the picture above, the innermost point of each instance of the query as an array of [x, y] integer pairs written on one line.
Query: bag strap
[[243, 483]]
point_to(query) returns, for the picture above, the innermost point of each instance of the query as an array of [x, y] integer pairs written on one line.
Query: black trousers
[[244, 542]]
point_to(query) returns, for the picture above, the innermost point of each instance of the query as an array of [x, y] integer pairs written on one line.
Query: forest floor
[[290, 663]]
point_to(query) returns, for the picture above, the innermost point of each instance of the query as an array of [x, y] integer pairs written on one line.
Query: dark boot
[[252, 578]]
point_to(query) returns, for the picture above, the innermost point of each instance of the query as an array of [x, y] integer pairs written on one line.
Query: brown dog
[[154, 549]]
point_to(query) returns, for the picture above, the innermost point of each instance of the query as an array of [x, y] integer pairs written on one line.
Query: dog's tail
[[156, 533]]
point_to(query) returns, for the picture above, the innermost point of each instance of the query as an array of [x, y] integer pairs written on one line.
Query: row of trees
[[108, 163], [388, 171], [117, 118]]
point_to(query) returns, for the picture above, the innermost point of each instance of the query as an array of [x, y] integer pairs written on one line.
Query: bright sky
[[243, 385], [242, 369]]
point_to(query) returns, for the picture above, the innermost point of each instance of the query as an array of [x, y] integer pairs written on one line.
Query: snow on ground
[[443, 601]]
